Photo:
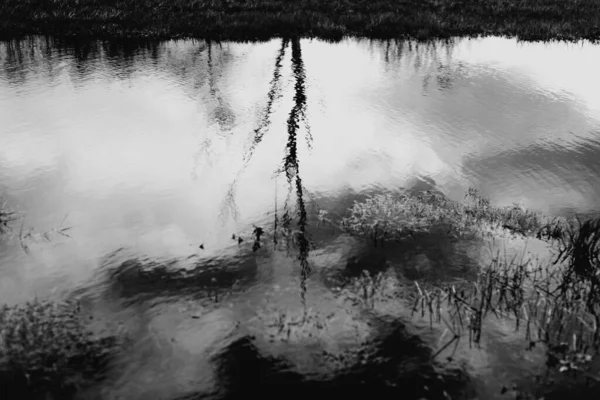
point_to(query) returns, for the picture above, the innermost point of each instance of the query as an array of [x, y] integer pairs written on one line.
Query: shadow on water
[[389, 361], [135, 280], [393, 365], [385, 357]]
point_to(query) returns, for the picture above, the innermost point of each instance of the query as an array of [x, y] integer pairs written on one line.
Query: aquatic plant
[[529, 295], [549, 309], [556, 305], [32, 235], [45, 348], [6, 216], [387, 217]]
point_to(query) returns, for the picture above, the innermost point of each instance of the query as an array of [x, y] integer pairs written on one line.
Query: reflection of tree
[[220, 112], [290, 163], [392, 363], [14, 63], [265, 121], [433, 58], [273, 95], [118, 60], [135, 280]]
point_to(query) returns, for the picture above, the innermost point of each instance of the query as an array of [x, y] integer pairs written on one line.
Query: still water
[[146, 152]]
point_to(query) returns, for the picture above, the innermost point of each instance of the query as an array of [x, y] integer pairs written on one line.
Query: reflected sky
[[149, 151], [140, 146]]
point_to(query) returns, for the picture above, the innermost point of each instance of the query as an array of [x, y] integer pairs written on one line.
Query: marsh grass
[[327, 19], [45, 348], [532, 297], [386, 217], [548, 310], [556, 305]]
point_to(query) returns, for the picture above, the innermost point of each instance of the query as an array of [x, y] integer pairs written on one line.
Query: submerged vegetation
[[391, 218], [6, 216], [328, 19], [46, 349], [555, 305]]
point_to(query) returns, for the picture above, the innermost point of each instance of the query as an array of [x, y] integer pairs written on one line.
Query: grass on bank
[[328, 19]]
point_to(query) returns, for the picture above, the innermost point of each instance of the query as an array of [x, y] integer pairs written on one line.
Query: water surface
[[148, 151]]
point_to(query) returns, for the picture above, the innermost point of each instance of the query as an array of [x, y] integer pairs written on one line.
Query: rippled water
[[148, 151]]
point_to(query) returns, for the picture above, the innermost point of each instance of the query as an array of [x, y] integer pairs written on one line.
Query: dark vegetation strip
[[327, 19]]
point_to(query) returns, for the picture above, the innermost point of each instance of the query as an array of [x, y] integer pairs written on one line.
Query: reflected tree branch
[[291, 162], [265, 121]]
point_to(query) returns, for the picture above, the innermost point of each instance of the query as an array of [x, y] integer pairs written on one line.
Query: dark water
[[148, 151]]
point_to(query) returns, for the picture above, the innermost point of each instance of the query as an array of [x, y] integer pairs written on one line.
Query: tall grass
[[328, 19]]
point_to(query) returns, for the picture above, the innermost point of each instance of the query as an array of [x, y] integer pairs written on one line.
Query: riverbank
[[243, 20]]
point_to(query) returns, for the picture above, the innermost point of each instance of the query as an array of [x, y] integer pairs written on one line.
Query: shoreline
[[334, 20]]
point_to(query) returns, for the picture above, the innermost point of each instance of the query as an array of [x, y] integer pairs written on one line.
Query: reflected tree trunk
[[291, 165], [229, 205], [291, 161]]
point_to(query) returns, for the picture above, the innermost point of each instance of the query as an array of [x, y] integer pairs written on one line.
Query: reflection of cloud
[[566, 69], [25, 151], [362, 150], [106, 138], [109, 136], [503, 99], [543, 176]]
